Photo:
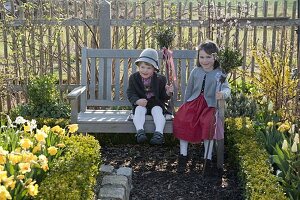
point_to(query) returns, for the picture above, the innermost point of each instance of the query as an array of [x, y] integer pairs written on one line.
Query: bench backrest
[[105, 73]]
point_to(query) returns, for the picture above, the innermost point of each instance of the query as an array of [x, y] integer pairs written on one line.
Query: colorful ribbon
[[170, 68]]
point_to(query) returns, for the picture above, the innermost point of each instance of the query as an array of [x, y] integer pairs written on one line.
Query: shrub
[[43, 100], [252, 161], [74, 174]]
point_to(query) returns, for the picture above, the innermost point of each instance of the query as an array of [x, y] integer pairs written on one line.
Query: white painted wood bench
[[96, 104]]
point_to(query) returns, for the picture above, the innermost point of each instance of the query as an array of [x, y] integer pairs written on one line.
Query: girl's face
[[207, 61], [146, 70]]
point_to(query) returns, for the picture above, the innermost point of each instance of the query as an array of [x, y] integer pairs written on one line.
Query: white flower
[[292, 129], [20, 120], [296, 138], [284, 145], [33, 124], [264, 100], [270, 106], [294, 147]]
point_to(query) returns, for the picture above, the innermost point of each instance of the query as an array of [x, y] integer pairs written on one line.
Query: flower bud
[[284, 145], [294, 147]]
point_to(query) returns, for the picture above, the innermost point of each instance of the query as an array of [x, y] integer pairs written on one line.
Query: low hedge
[[73, 175], [252, 160]]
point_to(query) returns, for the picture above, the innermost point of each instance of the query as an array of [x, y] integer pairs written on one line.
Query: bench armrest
[[76, 92], [77, 104]]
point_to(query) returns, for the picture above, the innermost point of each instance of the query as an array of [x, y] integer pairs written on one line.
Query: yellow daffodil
[[24, 167], [57, 129], [270, 124], [4, 194], [10, 182], [61, 145], [27, 128], [33, 189], [73, 128], [294, 147], [283, 127], [40, 136], [14, 158], [45, 167], [26, 143], [20, 177], [52, 150], [28, 157], [45, 128], [296, 138], [1, 167], [37, 148], [3, 154], [3, 175], [42, 159], [284, 145]]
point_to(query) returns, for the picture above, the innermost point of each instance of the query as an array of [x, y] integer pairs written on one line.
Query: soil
[[155, 173]]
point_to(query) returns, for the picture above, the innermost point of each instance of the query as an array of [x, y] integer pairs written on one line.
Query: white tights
[[210, 143], [156, 112]]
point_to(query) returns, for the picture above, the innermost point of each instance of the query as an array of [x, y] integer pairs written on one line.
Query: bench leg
[[220, 153]]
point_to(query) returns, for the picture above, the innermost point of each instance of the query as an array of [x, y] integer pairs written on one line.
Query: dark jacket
[[136, 89]]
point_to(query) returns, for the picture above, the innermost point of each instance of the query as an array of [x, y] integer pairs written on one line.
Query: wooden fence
[[46, 37]]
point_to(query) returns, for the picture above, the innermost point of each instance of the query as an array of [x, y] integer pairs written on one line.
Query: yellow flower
[[37, 148], [3, 154], [20, 177], [270, 124], [14, 158], [43, 158], [284, 145], [28, 157], [4, 194], [40, 136], [1, 167], [73, 128], [26, 143], [283, 127], [296, 138], [58, 129], [10, 182], [3, 175], [45, 128], [61, 145], [45, 167], [27, 128], [52, 150], [294, 147], [33, 189], [24, 167]]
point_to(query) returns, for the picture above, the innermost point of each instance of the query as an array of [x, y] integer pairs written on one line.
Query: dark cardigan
[[136, 89]]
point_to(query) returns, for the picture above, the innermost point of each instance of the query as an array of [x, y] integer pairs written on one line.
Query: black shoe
[[220, 172], [158, 138], [207, 167], [182, 161], [141, 136]]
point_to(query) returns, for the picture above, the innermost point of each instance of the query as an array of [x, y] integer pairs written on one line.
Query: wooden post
[[104, 24]]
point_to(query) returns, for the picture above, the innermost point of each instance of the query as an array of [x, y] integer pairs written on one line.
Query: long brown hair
[[210, 48]]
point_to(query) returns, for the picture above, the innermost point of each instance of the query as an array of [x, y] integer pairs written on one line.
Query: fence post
[[104, 24]]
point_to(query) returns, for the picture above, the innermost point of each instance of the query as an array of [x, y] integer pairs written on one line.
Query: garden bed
[[155, 176]]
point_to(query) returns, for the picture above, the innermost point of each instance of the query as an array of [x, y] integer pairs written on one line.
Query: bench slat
[[92, 86], [117, 79], [101, 79]]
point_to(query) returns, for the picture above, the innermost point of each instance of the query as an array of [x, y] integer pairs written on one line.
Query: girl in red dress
[[195, 121]]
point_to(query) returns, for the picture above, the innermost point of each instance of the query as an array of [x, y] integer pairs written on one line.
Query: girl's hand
[[169, 89], [219, 95], [141, 102]]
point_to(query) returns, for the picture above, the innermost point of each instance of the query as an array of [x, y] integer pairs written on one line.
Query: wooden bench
[[100, 105]]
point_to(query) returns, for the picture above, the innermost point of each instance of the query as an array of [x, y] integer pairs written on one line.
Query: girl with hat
[[195, 121], [148, 93]]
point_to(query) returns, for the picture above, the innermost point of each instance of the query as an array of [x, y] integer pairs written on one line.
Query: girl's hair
[[210, 48]]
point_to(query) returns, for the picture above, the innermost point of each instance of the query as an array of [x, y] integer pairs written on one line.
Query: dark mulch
[[155, 176]]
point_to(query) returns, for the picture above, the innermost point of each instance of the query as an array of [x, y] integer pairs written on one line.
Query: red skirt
[[194, 121]]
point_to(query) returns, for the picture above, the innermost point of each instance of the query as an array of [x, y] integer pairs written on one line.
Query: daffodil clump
[[26, 155]]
